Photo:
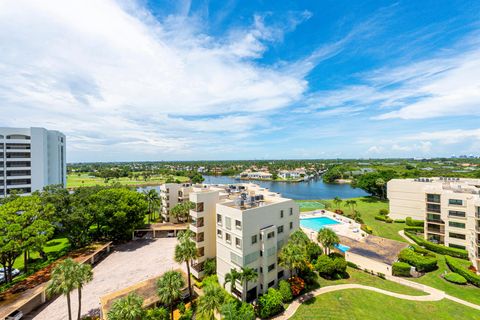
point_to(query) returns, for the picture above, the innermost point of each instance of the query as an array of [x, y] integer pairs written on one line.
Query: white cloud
[[97, 70]]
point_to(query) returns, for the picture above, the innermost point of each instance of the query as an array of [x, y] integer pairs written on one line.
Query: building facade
[[450, 208], [242, 225], [30, 159], [171, 194]]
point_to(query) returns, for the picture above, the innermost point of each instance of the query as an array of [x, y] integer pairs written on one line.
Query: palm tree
[[181, 211], [292, 257], [337, 201], [381, 184], [352, 204], [186, 251], [153, 201], [212, 300], [82, 274], [62, 281], [246, 275], [328, 238], [169, 288], [127, 308], [232, 277]]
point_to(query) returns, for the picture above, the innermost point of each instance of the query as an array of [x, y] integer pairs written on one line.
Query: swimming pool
[[342, 247], [317, 223]]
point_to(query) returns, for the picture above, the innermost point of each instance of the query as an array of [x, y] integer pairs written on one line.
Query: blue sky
[[191, 80]]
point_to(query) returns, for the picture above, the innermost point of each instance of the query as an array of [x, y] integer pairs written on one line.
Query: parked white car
[[16, 315]]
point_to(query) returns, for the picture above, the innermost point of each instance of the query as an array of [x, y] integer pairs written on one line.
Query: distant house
[[256, 175], [292, 174]]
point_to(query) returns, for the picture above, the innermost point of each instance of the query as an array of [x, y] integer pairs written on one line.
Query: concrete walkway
[[433, 295], [402, 234]]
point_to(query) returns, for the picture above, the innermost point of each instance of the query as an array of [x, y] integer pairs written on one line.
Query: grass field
[[52, 247], [363, 304], [85, 180], [361, 277], [368, 208], [309, 205]]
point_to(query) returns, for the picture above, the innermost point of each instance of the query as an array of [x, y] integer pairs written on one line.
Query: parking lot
[[127, 265]]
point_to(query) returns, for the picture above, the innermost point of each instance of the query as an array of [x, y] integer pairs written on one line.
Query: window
[[261, 270], [219, 234], [291, 225], [456, 235], [238, 225], [452, 245], [433, 198], [271, 267], [281, 213], [254, 239], [291, 211], [453, 213], [201, 252], [455, 202], [434, 217], [433, 207], [228, 238], [228, 223], [238, 243], [219, 219], [199, 207], [261, 253], [456, 224], [280, 229], [280, 274], [271, 235], [271, 283]]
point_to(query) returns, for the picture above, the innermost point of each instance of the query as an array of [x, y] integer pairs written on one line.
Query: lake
[[313, 189]]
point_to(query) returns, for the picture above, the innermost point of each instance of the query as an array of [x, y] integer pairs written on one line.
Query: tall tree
[[82, 274], [127, 308], [153, 200], [328, 238], [292, 257], [246, 275], [337, 201], [351, 204], [169, 288], [212, 300], [181, 211], [63, 281], [186, 251], [232, 278]]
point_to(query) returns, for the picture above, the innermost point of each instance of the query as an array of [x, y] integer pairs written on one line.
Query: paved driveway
[[127, 265]]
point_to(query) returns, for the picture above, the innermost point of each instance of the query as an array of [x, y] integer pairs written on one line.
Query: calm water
[[313, 189]]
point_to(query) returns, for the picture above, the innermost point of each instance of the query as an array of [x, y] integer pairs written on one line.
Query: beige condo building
[[170, 195], [450, 208], [242, 225]]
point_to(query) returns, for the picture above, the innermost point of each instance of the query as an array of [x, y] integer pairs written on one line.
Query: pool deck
[[346, 227]]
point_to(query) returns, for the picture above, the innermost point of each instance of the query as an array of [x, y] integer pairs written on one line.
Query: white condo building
[[450, 208], [242, 226], [172, 194], [30, 159]]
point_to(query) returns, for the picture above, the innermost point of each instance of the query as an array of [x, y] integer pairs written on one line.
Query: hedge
[[366, 228], [455, 278], [471, 277], [438, 248], [414, 223], [420, 262], [399, 220], [401, 269], [414, 229], [383, 218]]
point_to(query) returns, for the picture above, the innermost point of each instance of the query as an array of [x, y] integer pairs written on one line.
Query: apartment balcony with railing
[[435, 228], [197, 223], [432, 207], [198, 237], [434, 218]]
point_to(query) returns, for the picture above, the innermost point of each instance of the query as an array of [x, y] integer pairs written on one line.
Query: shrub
[[454, 252], [270, 304], [210, 267], [414, 223], [455, 278], [399, 221], [352, 265], [470, 276], [329, 266], [414, 229], [381, 275], [384, 219], [296, 285], [422, 251], [383, 212], [366, 228], [285, 291], [313, 250], [401, 269], [420, 262]]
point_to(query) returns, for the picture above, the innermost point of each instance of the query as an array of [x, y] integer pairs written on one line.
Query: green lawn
[[361, 277], [368, 208], [362, 304], [467, 292], [51, 248], [85, 180]]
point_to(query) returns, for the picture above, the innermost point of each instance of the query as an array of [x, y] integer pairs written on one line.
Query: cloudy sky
[[181, 80]]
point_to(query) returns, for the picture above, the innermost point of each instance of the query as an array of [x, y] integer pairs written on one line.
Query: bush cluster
[[454, 252], [401, 269], [455, 278], [470, 276], [270, 304], [383, 212], [423, 263], [414, 223], [329, 266], [285, 291], [297, 285], [383, 218], [414, 229]]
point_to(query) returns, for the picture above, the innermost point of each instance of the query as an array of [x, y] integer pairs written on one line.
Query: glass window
[[271, 283], [291, 211], [219, 219], [452, 245], [281, 213], [219, 233], [238, 243], [271, 235], [228, 223], [455, 202], [280, 229], [280, 274], [433, 217], [291, 225], [453, 213], [433, 207], [433, 198], [238, 224], [254, 239], [457, 235], [228, 237], [456, 224], [271, 267]]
